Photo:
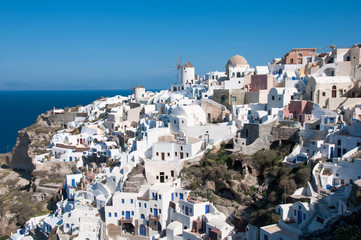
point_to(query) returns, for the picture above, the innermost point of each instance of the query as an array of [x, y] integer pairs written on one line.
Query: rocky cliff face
[[31, 141]]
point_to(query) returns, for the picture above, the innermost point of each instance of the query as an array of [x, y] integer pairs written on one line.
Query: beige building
[[229, 97], [329, 92], [215, 112]]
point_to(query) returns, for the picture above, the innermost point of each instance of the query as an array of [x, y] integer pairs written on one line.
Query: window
[[160, 210], [142, 216], [339, 142], [334, 91], [168, 154], [131, 201], [279, 99], [172, 173], [234, 99], [145, 205], [122, 213], [238, 74], [67, 225], [140, 205], [294, 212], [175, 153], [151, 209], [157, 153], [160, 196], [190, 210], [176, 194], [115, 214], [109, 214], [187, 154], [273, 97], [358, 144], [304, 216], [181, 148], [132, 213], [323, 94], [175, 121], [123, 201]]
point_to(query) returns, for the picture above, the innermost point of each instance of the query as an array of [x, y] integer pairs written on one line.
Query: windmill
[[178, 67]]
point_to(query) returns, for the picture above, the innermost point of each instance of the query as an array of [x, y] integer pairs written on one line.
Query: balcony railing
[[151, 217], [127, 220]]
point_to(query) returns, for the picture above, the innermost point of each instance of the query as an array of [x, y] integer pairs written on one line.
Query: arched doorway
[[142, 230]]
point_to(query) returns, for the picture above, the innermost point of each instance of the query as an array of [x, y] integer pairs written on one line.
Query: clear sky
[[120, 44]]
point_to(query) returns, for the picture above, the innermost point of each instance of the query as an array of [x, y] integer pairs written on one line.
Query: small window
[[339, 142], [160, 196], [109, 214], [176, 194], [294, 212], [304, 216], [157, 153], [168, 154], [175, 153], [151, 209], [115, 214], [132, 213], [187, 154], [234, 99], [172, 173], [142, 216], [131, 201], [160, 210], [140, 205], [122, 213], [145, 205], [123, 201], [323, 94], [181, 148], [273, 97]]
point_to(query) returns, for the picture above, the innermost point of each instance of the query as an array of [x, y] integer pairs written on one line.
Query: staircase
[[135, 180]]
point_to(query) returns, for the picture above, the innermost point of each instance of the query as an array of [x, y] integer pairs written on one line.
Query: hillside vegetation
[[247, 187]]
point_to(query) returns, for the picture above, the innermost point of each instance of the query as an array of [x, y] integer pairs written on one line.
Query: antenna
[[178, 67]]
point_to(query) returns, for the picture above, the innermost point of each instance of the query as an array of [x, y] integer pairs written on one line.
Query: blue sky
[[116, 44]]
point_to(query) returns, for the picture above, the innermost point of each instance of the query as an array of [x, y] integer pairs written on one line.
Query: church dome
[[237, 61]]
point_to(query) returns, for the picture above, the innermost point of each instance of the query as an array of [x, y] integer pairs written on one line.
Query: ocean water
[[20, 109]]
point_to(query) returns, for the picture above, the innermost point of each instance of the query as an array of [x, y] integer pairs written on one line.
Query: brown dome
[[237, 61]]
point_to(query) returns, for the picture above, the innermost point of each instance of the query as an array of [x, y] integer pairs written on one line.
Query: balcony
[[127, 220], [152, 218]]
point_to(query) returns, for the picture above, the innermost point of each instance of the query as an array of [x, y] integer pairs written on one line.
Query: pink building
[[261, 82], [298, 110]]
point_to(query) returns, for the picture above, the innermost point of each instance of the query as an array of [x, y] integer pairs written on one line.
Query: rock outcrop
[[31, 140]]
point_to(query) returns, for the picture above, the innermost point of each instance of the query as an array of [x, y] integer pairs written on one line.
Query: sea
[[20, 109]]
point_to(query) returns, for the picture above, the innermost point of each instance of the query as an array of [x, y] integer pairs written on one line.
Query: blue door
[[73, 182], [142, 230], [181, 196], [207, 209], [172, 197], [155, 212], [127, 215], [187, 211], [331, 152], [299, 217]]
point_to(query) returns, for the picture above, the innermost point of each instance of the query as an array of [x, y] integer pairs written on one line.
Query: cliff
[[33, 140]]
